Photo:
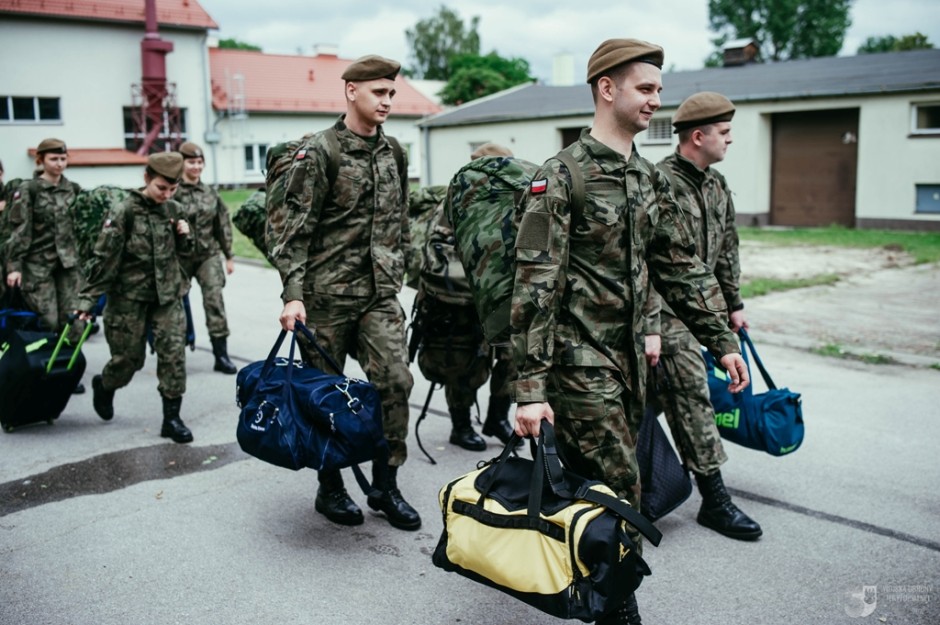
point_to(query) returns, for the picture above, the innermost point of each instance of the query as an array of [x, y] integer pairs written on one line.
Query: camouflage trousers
[[209, 274], [52, 293], [372, 330], [125, 324], [688, 405], [453, 353], [596, 423]]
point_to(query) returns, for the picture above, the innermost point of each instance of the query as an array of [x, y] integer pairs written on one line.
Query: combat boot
[[220, 351], [720, 514], [626, 613], [173, 426], [463, 434], [102, 399], [399, 512], [497, 420], [334, 502]]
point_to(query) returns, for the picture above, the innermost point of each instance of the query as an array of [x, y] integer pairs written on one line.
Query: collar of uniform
[[343, 131], [691, 171], [607, 159]]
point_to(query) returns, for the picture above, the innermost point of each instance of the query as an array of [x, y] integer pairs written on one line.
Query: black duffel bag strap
[[313, 341], [561, 487]]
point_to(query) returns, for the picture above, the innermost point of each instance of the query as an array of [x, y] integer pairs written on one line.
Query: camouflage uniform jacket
[[581, 289], [136, 254], [41, 224], [208, 218], [349, 239], [708, 211]]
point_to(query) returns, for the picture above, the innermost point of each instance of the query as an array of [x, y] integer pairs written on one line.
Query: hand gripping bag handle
[[746, 341], [547, 464]]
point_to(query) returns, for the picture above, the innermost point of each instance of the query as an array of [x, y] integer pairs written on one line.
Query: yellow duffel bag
[[542, 534]]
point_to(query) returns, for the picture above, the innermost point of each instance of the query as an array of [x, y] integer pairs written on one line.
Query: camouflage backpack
[[89, 209], [422, 205], [250, 220], [278, 163], [484, 206]]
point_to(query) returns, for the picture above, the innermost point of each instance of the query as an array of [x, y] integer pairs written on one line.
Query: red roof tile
[[90, 157], [185, 13], [295, 84]]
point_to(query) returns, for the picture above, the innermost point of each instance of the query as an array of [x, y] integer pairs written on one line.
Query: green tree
[[783, 29], [235, 44], [890, 43], [474, 76], [436, 40]]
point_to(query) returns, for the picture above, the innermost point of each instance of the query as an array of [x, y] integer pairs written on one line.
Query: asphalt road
[[107, 523]]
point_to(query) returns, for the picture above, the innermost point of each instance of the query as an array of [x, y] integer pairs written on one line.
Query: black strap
[[577, 183]]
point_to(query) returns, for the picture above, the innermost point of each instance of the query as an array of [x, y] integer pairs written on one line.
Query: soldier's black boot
[[398, 511], [720, 514], [220, 351], [102, 399], [463, 434], [334, 502], [173, 427], [497, 419], [626, 613]]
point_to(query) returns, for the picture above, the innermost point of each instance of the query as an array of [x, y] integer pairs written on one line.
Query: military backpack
[[89, 209], [484, 206], [422, 207], [278, 164], [250, 220]]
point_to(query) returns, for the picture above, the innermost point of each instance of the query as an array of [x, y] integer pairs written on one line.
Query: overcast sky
[[536, 30]]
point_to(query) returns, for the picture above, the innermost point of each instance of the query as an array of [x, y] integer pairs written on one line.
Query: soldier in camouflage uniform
[[421, 208], [41, 250], [578, 322], [341, 259], [703, 123], [208, 219], [136, 263]]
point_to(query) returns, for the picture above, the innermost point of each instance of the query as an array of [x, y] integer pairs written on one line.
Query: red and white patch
[[539, 186], [107, 223], [16, 195], [301, 154]]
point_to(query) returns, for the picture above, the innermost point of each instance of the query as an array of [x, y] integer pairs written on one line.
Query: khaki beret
[[705, 107], [51, 145], [371, 67], [191, 150], [490, 149], [167, 164], [614, 52]]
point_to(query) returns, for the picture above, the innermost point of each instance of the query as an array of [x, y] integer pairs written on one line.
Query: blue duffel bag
[[770, 421], [294, 415]]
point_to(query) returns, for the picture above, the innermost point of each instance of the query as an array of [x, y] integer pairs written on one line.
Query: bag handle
[[746, 341], [547, 464], [63, 338]]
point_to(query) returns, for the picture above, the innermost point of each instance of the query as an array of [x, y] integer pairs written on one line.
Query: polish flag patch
[[301, 154], [539, 186], [107, 223], [16, 195]]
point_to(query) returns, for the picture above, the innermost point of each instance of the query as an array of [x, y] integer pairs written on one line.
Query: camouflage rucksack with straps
[[89, 209], [484, 207], [422, 206], [250, 219], [279, 161]]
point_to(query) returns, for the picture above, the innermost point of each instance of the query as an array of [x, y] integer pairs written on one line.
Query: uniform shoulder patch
[[16, 195], [301, 154], [539, 186]]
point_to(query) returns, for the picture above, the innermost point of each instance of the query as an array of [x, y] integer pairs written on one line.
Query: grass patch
[[924, 247], [935, 366], [834, 350], [763, 286], [242, 246]]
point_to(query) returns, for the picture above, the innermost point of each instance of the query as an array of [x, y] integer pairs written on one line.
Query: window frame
[[649, 139], [924, 132], [259, 152], [37, 114]]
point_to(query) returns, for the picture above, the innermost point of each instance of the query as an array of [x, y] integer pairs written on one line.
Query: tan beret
[[614, 52], [167, 164], [705, 107], [371, 67], [51, 145], [191, 150], [490, 149]]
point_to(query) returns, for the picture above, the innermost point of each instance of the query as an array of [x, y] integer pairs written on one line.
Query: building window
[[29, 109], [660, 131], [256, 156], [928, 198], [171, 134], [925, 118]]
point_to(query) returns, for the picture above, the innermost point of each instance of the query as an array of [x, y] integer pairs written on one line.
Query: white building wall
[[91, 69], [890, 161]]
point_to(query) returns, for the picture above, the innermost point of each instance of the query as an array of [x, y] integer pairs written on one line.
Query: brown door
[[814, 168]]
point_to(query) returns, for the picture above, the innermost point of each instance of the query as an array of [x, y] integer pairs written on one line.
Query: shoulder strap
[[577, 182], [400, 160]]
